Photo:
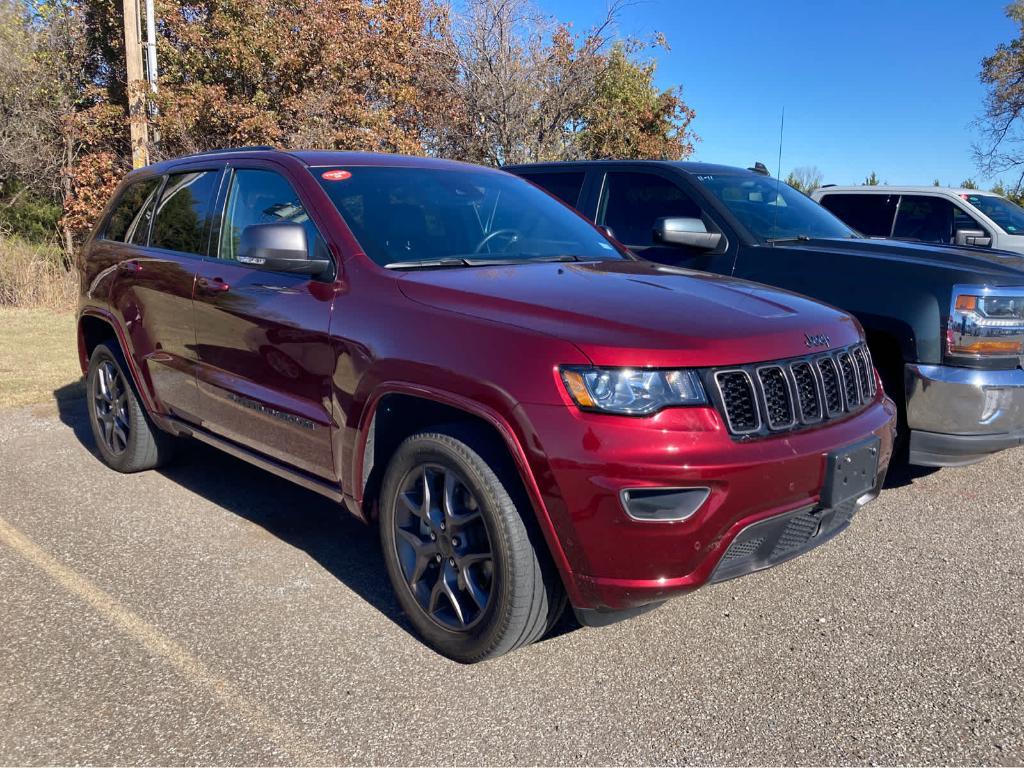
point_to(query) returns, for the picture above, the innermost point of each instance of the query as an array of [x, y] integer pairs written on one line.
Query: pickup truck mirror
[[279, 247], [974, 237], [687, 232]]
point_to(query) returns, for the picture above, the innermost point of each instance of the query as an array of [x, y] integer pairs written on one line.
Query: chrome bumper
[[960, 415]]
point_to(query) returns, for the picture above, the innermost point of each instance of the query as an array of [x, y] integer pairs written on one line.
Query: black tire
[[890, 369], [524, 593], [125, 436]]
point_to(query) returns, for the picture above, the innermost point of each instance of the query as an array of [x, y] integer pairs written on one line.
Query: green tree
[[1013, 196], [936, 183], [628, 117], [871, 180], [527, 88], [968, 184]]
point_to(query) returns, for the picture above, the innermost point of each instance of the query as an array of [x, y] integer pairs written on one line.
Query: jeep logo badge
[[821, 340]]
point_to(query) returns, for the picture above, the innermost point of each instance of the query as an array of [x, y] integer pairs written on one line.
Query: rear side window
[[129, 221], [633, 202], [871, 215], [928, 219], [564, 185], [183, 215]]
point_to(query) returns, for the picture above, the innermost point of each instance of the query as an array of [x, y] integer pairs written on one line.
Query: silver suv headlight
[[631, 391], [986, 323]]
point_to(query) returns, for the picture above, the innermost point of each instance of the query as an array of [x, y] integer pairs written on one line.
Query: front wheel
[[458, 549]]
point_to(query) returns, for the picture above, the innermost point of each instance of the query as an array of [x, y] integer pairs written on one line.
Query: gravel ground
[[210, 613]]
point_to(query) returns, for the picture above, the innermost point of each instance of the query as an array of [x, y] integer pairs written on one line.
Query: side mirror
[[279, 247], [686, 232], [974, 237]]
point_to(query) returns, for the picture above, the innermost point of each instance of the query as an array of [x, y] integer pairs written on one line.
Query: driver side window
[[260, 197], [632, 202]]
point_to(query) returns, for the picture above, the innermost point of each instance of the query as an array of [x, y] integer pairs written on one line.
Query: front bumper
[[958, 416], [617, 563]]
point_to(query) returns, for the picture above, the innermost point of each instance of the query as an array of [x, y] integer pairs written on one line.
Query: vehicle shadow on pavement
[[345, 547], [902, 474]]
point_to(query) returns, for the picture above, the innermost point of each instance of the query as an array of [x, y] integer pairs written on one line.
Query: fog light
[[663, 504]]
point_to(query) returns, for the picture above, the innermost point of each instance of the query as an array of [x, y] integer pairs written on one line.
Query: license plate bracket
[[850, 472]]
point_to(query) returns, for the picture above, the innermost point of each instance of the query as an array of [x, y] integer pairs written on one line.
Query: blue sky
[[867, 85]]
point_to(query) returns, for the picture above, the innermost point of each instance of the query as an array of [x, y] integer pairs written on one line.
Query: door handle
[[129, 267], [214, 285]]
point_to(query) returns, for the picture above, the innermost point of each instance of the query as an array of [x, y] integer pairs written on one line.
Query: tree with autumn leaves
[[496, 83]]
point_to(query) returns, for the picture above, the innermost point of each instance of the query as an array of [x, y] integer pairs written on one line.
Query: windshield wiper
[[464, 261], [790, 239], [429, 263]]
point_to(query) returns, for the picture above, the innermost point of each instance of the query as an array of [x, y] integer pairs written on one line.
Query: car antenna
[[778, 175]]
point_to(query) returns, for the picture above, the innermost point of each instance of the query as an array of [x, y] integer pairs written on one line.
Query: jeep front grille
[[736, 389], [769, 398]]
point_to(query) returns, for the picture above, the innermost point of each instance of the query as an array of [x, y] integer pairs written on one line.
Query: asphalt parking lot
[[210, 613]]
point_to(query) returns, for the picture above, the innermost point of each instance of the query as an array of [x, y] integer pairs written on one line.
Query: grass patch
[[33, 275], [38, 355]]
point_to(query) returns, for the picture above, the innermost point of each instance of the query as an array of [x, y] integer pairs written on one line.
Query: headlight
[[986, 322], [632, 391]]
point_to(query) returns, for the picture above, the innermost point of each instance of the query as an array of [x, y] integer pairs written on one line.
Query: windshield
[[1008, 216], [772, 210], [408, 217]]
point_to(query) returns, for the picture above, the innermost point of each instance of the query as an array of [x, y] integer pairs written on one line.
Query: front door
[[630, 204], [262, 342]]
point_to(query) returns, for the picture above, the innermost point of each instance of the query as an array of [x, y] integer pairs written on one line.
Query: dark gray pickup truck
[[945, 324]]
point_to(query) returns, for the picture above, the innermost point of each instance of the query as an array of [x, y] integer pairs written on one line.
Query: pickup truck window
[[1007, 216], [565, 185], [928, 219], [870, 214], [260, 197], [632, 202], [129, 221], [183, 215], [403, 215], [771, 210]]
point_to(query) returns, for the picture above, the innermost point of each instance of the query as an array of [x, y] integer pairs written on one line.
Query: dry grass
[[38, 356], [34, 276]]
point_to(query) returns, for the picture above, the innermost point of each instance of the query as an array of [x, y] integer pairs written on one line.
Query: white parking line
[[158, 644]]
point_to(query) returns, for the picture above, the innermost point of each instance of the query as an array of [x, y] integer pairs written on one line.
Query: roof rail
[[250, 148]]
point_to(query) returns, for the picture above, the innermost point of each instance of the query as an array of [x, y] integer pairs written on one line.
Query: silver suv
[[929, 214]]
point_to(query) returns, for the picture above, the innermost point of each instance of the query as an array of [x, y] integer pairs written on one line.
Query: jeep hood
[[636, 313]]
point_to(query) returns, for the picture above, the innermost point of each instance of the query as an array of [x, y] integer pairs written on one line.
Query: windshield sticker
[[335, 175]]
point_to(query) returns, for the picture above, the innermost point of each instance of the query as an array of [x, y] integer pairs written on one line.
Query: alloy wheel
[[443, 547], [110, 407]]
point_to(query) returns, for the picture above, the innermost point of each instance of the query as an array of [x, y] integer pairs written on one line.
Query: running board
[[273, 466]]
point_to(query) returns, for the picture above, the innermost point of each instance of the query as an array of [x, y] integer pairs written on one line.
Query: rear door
[[264, 354], [159, 248]]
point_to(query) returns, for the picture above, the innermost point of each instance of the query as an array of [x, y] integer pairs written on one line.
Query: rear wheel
[[467, 567], [126, 438]]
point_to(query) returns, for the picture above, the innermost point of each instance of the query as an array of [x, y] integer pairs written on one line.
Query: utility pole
[[136, 85]]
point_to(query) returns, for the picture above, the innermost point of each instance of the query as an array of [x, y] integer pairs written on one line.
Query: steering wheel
[[511, 234]]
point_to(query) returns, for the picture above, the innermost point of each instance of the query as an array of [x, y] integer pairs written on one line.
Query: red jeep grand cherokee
[[529, 412]]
